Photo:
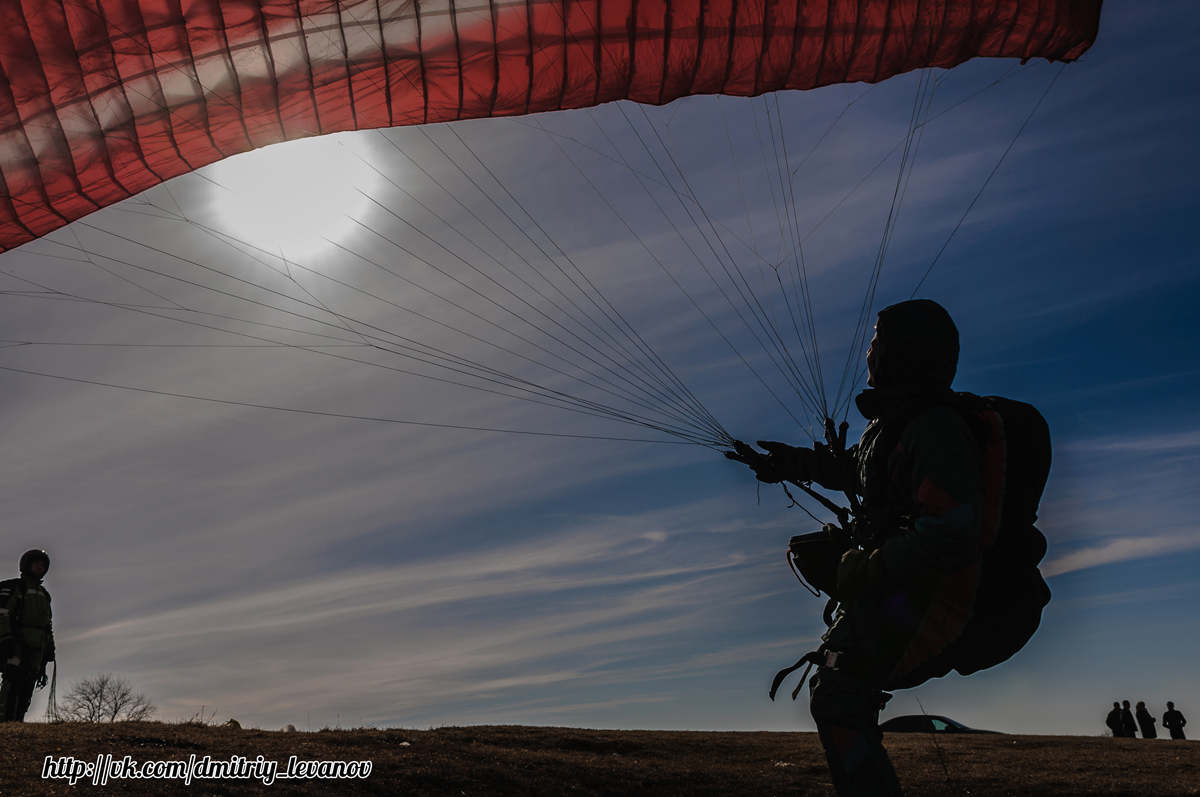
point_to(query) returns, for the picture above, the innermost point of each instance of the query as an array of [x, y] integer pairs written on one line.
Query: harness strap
[[17, 585], [830, 607], [803, 678], [815, 657]]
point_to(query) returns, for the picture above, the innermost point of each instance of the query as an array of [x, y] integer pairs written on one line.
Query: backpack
[[16, 618], [1009, 591], [1004, 588], [7, 587]]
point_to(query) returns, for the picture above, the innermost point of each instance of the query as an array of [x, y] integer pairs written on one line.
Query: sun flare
[[293, 197]]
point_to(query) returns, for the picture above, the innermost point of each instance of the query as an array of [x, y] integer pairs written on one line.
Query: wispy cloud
[[533, 568], [1121, 549], [606, 601], [1188, 438]]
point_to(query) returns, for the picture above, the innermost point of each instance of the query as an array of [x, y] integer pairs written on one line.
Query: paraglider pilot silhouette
[[26, 638], [913, 574]]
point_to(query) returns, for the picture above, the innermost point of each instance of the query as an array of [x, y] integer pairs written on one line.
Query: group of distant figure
[[1121, 721]]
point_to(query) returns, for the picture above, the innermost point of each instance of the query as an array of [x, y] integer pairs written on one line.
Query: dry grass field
[[517, 760]]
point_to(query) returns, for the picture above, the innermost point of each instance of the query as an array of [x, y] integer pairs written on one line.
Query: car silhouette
[[926, 723]]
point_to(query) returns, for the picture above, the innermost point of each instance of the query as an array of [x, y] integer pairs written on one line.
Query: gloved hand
[[42, 680], [781, 463], [796, 463], [764, 471], [860, 571]]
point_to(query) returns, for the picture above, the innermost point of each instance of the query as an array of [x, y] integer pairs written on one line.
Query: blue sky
[[281, 568]]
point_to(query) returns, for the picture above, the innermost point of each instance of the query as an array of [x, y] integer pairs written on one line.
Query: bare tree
[[105, 698]]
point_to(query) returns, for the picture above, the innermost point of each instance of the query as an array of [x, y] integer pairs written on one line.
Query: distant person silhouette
[[1146, 720], [26, 638], [1128, 726], [1174, 721], [1113, 721]]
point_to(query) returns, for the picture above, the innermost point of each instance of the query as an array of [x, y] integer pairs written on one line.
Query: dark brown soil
[[516, 760]]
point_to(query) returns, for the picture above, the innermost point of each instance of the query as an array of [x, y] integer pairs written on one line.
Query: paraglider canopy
[[102, 99]]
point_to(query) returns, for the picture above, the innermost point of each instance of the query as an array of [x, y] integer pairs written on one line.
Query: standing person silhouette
[[26, 638], [1146, 720], [1113, 721], [1128, 726], [920, 479], [1174, 721]]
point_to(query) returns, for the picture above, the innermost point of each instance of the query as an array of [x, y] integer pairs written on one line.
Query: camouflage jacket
[[25, 616]]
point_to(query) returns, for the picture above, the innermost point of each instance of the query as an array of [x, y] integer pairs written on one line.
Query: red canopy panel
[[102, 99]]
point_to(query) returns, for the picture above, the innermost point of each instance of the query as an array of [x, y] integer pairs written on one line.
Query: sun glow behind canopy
[[296, 198]]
